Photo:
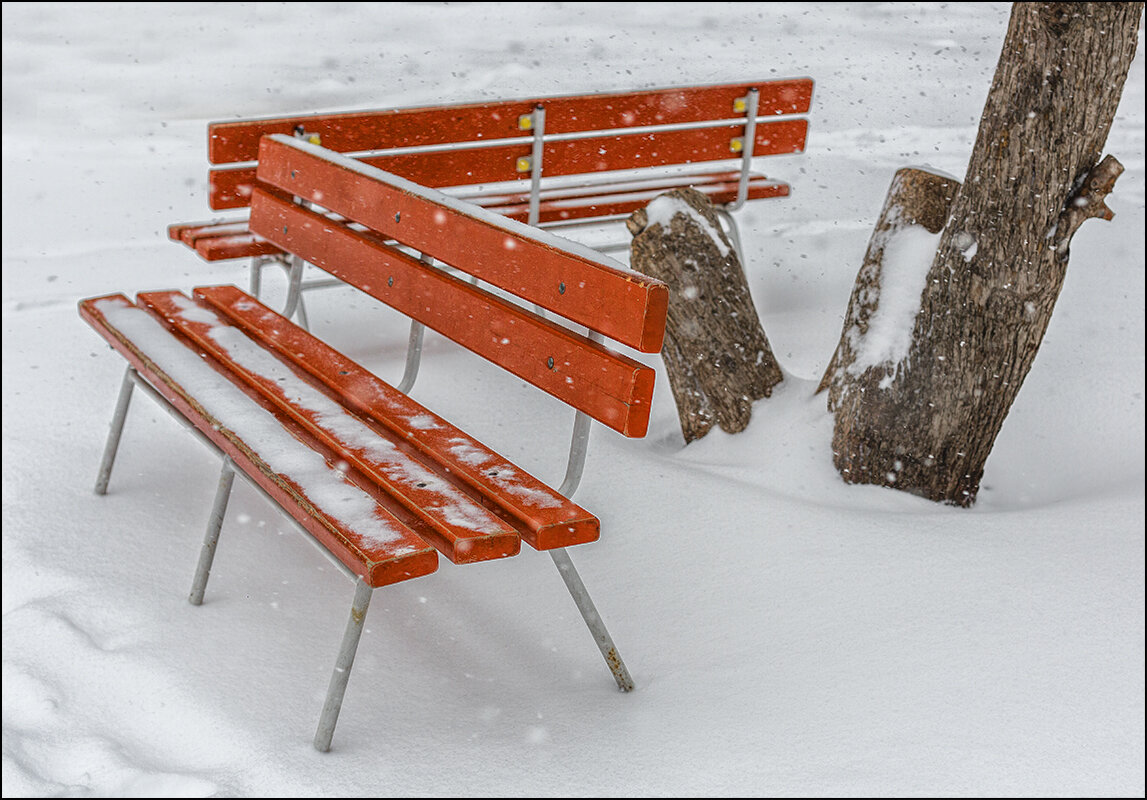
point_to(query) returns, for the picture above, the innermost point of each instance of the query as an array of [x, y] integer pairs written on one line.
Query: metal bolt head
[[561, 288], [390, 281], [550, 362]]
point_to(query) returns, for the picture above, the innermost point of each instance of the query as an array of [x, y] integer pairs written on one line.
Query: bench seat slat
[[188, 232], [594, 185], [545, 518], [231, 142], [363, 535], [456, 524], [219, 241], [231, 187], [557, 274], [216, 241], [597, 206], [611, 388]]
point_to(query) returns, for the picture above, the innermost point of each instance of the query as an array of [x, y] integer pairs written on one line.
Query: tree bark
[[917, 199], [1000, 263], [716, 353]]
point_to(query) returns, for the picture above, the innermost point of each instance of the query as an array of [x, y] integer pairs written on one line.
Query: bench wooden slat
[[220, 241], [598, 184], [545, 518], [231, 187], [225, 240], [231, 142], [188, 232], [161, 357], [456, 524], [624, 203], [610, 387], [222, 248], [557, 274]]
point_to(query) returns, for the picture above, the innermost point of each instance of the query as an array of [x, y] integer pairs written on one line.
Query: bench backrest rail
[[467, 145], [536, 267]]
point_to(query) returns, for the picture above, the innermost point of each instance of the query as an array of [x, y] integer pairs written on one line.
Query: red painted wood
[[456, 524], [591, 185], [624, 306], [625, 203], [231, 188], [218, 241], [230, 142], [594, 201], [378, 564], [611, 388], [221, 248], [189, 232], [545, 518]]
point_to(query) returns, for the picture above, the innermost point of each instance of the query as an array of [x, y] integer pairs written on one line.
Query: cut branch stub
[[1087, 202], [716, 353]]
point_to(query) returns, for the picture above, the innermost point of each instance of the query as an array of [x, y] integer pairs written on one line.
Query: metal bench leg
[[257, 265], [592, 619], [413, 357], [211, 538], [112, 444], [341, 674], [295, 293], [731, 229]]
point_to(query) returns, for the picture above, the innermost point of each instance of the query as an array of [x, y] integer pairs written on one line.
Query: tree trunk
[[716, 353], [927, 423]]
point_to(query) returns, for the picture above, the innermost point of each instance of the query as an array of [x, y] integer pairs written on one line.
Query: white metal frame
[[336, 690]]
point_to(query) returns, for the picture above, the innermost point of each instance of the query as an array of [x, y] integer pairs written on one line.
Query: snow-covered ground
[[789, 635]]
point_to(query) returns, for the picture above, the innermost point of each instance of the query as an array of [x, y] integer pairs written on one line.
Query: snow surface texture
[[788, 634]]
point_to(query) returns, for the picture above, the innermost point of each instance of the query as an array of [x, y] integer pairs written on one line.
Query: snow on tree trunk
[[886, 296], [716, 353], [926, 422]]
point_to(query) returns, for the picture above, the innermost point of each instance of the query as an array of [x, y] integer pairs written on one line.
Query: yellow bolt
[[739, 105], [736, 144], [314, 139], [526, 122], [524, 164]]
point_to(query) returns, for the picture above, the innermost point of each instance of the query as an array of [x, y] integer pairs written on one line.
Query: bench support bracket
[[294, 305]]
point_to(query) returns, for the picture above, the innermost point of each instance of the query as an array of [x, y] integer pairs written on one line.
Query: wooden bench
[[549, 162], [380, 482]]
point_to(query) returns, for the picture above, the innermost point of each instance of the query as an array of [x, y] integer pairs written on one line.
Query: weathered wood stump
[[716, 353], [884, 299]]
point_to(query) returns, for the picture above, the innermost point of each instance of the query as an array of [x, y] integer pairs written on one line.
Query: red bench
[[383, 484], [551, 162]]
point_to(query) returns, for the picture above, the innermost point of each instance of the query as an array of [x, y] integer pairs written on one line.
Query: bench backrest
[[573, 281], [464, 145]]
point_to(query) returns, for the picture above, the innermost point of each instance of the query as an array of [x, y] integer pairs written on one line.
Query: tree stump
[[886, 295], [716, 353], [1034, 176]]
